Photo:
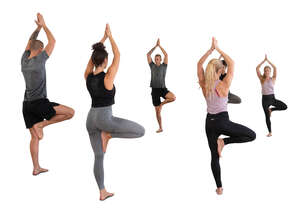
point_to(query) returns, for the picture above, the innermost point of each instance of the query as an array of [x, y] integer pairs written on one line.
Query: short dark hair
[[157, 55], [99, 54], [36, 44], [224, 63]]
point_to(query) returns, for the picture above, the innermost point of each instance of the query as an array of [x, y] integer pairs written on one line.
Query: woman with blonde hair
[[217, 120], [268, 98]]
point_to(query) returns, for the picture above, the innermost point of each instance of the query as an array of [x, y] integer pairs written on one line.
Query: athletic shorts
[[37, 110], [157, 93]]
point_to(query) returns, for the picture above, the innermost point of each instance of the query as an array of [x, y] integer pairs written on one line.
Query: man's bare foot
[[105, 136], [38, 128], [105, 195], [221, 145], [270, 112], [36, 172], [159, 130], [269, 135], [219, 191]]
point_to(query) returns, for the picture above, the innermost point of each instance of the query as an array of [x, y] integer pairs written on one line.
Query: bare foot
[[270, 111], [105, 136], [36, 172], [159, 130], [105, 195], [38, 128], [269, 135], [221, 145], [219, 191]]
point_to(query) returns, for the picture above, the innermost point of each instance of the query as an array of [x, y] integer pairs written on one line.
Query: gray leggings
[[101, 119]]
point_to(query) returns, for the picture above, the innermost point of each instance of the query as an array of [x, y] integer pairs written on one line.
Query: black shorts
[[37, 110], [157, 93]]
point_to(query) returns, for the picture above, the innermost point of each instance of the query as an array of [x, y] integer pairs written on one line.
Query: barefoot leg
[[34, 150], [221, 145], [158, 117], [105, 136], [219, 191], [104, 194]]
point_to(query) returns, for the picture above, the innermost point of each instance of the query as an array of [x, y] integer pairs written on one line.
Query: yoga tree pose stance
[[217, 120], [268, 98], [38, 111], [158, 75], [101, 124]]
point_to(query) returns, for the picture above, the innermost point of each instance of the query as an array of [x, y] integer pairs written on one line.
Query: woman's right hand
[[215, 43], [107, 30]]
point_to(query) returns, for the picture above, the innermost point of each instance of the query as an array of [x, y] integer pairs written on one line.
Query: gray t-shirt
[[158, 75], [34, 73]]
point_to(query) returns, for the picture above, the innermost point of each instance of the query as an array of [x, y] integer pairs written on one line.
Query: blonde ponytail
[[210, 75]]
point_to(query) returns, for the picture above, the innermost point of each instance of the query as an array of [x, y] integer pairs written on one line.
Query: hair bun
[[98, 47]]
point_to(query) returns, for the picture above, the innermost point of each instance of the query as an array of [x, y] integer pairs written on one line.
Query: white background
[[160, 175]]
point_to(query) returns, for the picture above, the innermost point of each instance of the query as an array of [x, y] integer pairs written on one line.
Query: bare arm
[[163, 51], [225, 84], [274, 70], [260, 77], [113, 68], [90, 66], [149, 54], [33, 36], [200, 70], [51, 40]]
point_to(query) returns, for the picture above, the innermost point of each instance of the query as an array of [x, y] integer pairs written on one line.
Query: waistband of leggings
[[268, 96], [218, 115], [102, 108]]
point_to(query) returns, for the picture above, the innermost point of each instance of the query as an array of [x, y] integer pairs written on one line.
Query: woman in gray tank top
[[215, 93], [267, 88]]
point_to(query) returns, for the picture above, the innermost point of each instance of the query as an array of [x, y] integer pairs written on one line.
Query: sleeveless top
[[267, 87], [215, 103], [101, 97]]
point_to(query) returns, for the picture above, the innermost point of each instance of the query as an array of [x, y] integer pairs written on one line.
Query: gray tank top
[[267, 87], [215, 103]]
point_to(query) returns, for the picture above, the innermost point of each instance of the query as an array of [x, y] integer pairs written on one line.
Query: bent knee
[[141, 131], [173, 98], [252, 136], [70, 113], [284, 107]]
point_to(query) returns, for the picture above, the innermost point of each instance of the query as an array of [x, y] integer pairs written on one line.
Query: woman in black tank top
[[101, 124]]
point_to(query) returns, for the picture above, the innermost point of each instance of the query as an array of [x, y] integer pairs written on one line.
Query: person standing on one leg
[[268, 98], [215, 92], [158, 75], [101, 124], [38, 111]]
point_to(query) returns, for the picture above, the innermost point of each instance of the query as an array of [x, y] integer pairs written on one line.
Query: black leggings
[[219, 124], [267, 101]]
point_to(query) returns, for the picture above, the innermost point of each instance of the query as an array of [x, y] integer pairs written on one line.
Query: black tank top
[[101, 97]]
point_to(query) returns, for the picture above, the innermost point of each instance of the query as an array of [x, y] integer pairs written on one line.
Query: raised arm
[[113, 68], [51, 40], [163, 51], [260, 77], [230, 67], [90, 66], [33, 36], [200, 70], [274, 69], [150, 52]]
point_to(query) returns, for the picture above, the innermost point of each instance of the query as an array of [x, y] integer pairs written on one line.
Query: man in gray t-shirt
[[38, 111], [158, 85], [34, 73]]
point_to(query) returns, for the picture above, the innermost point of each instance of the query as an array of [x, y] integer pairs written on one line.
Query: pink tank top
[[267, 87], [215, 103]]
